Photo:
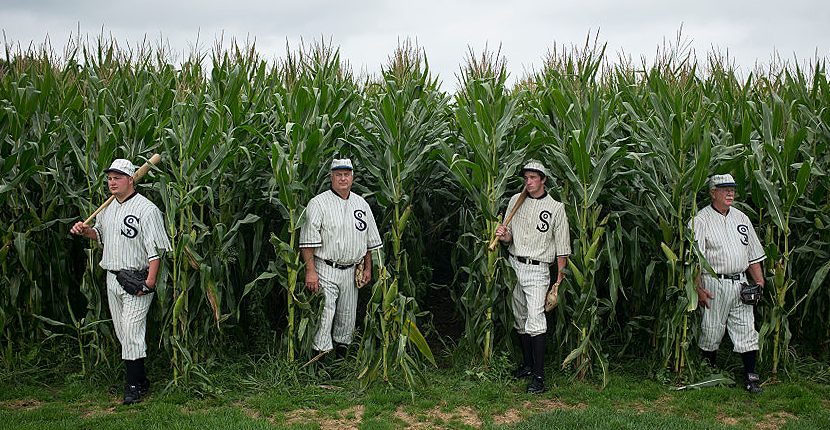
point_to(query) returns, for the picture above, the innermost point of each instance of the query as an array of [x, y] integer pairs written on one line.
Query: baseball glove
[[358, 275], [751, 294], [133, 281], [552, 298]]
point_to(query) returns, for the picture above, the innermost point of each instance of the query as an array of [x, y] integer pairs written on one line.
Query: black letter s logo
[[359, 224], [544, 225], [130, 228], [743, 231]]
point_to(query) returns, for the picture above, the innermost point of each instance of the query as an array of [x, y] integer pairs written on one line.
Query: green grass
[[274, 394]]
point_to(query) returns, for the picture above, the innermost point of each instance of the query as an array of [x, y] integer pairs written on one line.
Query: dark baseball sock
[[538, 347], [140, 371], [710, 357], [527, 350], [749, 359], [133, 369]]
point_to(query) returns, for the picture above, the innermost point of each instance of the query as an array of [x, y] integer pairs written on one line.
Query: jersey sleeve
[[562, 232], [372, 235], [696, 225], [310, 236], [756, 251], [154, 235]]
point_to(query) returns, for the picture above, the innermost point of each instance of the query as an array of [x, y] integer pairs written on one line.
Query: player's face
[[119, 184], [723, 197], [341, 181], [534, 183]]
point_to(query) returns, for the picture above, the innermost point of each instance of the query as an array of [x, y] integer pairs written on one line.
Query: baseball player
[[132, 233], [338, 233], [726, 237], [538, 237]]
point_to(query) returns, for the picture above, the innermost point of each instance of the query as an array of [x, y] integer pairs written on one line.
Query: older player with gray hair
[[131, 230], [538, 237], [339, 232], [726, 237]]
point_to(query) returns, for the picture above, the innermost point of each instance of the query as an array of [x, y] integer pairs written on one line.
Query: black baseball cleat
[[536, 385], [753, 383], [522, 372], [144, 388], [131, 394]]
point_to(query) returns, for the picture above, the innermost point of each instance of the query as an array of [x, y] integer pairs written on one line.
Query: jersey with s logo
[[539, 229]]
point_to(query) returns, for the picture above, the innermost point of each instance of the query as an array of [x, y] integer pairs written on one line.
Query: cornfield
[[246, 143]]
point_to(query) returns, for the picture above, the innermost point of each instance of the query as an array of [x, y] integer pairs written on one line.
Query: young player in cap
[[726, 237], [131, 230], [538, 237], [338, 233]]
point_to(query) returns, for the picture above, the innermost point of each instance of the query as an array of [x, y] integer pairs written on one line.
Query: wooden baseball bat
[[521, 199], [138, 175]]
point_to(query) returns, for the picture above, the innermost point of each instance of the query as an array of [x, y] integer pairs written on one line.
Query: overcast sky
[[367, 32]]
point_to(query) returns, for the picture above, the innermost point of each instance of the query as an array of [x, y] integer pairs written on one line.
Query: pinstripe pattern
[[539, 228], [529, 297], [540, 232], [727, 312], [129, 316], [343, 231], [728, 242], [132, 233], [340, 308], [730, 245]]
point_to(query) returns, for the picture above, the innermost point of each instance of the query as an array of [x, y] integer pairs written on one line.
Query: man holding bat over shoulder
[[131, 230], [536, 230]]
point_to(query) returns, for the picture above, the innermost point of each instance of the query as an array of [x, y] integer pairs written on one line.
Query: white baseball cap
[[120, 165], [535, 166], [341, 164], [721, 181]]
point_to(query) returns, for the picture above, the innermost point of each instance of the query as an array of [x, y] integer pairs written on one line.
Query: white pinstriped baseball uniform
[[341, 231], [540, 234], [730, 245], [132, 233]]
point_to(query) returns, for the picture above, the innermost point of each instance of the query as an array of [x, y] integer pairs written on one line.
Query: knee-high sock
[[527, 350], [538, 347], [749, 358]]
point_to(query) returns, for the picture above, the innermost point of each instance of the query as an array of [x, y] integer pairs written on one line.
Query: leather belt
[[338, 265], [526, 260], [735, 277]]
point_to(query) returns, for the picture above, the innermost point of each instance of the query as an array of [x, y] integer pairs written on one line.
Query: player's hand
[[80, 229], [367, 274], [703, 296], [312, 281], [501, 231]]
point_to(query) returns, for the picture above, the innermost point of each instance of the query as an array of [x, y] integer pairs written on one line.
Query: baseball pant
[[529, 297], [129, 316], [727, 312], [340, 308]]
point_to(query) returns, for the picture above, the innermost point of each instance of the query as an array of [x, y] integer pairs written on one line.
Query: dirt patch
[[775, 421], [510, 416], [22, 404], [513, 415], [552, 404], [348, 419], [93, 413], [300, 416], [437, 416], [726, 419]]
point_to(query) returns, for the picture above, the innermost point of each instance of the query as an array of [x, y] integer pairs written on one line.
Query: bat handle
[[100, 208]]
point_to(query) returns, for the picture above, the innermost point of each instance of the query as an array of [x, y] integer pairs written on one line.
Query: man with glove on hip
[[726, 238], [131, 230]]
